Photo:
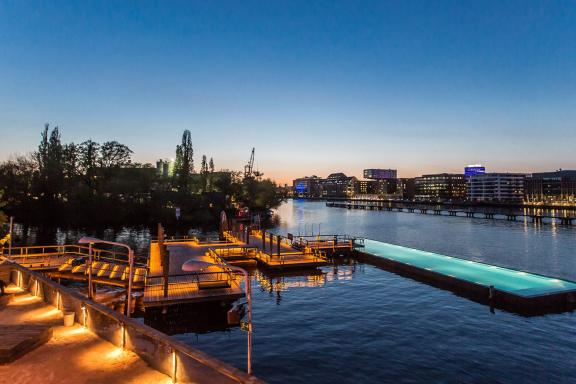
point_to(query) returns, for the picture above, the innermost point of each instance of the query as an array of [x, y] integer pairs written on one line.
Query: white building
[[497, 187]]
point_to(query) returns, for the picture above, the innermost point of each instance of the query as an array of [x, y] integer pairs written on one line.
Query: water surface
[[359, 324]]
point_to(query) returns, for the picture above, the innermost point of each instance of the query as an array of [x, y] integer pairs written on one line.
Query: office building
[[307, 186], [496, 187], [339, 185], [440, 187], [557, 187], [379, 174]]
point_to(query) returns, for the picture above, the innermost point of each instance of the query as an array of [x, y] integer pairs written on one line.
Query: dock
[[516, 291], [214, 283]]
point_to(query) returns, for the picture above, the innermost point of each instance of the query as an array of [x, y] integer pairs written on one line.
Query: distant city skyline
[[315, 87]]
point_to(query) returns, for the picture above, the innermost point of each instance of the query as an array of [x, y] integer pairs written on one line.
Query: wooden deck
[[215, 283], [280, 256]]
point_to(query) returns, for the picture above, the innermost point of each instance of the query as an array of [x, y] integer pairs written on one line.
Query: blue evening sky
[[315, 86]]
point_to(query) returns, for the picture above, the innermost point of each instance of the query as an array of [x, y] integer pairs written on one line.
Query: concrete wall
[[171, 357]]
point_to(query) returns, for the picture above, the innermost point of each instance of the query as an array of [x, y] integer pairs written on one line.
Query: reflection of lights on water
[[281, 284]]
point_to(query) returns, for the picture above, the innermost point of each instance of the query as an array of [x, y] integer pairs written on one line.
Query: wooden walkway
[[277, 255]]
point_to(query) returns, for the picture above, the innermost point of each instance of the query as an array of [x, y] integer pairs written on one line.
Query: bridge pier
[[566, 220], [470, 214], [452, 213], [437, 212], [537, 219], [488, 215], [423, 211], [511, 217]]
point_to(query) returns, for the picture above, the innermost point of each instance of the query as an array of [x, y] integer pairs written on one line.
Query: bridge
[[469, 212]]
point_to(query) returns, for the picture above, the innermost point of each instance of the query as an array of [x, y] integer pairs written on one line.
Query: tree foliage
[[184, 164], [92, 183]]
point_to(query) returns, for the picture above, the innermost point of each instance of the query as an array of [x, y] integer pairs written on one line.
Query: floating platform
[[516, 291], [217, 283]]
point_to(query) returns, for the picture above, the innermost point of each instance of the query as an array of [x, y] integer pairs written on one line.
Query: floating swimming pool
[[523, 289]]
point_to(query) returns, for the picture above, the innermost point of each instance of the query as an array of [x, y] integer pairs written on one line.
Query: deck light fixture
[[83, 307]]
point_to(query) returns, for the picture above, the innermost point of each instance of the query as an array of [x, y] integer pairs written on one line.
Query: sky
[[315, 86]]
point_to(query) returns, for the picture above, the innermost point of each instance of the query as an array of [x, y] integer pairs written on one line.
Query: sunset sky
[[315, 86]]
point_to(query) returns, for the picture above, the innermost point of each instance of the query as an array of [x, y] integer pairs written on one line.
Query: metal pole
[[249, 292], [10, 238], [131, 277], [90, 293]]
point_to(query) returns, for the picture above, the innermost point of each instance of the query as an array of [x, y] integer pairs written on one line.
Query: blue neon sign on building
[[474, 170]]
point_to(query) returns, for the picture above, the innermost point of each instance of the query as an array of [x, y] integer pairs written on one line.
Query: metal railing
[[237, 251], [53, 255]]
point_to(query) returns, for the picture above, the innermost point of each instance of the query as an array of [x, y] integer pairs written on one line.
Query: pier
[[454, 211]]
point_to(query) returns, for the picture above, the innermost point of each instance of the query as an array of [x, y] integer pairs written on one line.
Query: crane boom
[[250, 166]]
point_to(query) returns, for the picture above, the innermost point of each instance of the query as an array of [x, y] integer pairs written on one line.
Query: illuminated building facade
[[440, 187], [307, 187], [496, 187], [557, 187], [339, 185], [380, 174]]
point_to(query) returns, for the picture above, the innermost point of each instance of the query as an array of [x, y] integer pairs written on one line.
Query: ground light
[[83, 307]]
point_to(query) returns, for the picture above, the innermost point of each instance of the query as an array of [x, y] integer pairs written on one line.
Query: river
[[355, 323]]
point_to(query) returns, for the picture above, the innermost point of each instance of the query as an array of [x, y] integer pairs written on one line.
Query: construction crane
[[249, 168]]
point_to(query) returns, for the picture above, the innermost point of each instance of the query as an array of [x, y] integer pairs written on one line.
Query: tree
[[89, 157], [211, 165], [70, 157], [113, 154], [3, 217], [16, 177], [259, 195], [49, 158], [204, 166], [184, 164]]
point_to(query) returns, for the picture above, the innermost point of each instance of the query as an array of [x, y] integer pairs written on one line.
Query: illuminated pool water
[[504, 279]]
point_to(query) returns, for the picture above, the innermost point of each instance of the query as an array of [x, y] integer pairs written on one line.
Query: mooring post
[[278, 238], [271, 238], [264, 241]]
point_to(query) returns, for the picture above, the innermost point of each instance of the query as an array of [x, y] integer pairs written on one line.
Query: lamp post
[[93, 240], [199, 266]]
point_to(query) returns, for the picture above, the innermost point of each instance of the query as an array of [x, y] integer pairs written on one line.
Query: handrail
[[47, 251]]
